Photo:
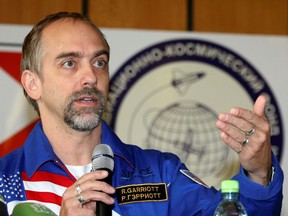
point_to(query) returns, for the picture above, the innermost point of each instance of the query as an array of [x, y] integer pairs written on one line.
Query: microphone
[[3, 208], [103, 159], [32, 209]]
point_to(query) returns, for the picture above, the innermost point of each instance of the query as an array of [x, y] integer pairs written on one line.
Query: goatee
[[84, 118]]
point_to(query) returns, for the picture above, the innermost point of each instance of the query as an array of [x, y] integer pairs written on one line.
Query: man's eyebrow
[[102, 52], [79, 55], [68, 54]]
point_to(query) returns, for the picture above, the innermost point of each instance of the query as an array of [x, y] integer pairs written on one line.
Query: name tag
[[141, 193]]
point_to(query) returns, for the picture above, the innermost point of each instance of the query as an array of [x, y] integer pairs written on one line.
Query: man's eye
[[100, 63], [68, 64]]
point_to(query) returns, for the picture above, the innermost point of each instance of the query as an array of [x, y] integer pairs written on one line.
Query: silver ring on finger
[[78, 189], [250, 132], [80, 198], [245, 141]]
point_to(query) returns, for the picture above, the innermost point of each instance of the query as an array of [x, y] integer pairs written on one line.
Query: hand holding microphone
[[93, 190]]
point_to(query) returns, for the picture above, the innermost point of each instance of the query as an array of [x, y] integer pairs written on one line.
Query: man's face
[[75, 74]]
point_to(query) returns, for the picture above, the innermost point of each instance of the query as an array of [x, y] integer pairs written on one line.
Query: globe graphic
[[188, 129]]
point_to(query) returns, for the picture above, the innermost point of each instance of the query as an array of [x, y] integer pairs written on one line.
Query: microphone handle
[[102, 209]]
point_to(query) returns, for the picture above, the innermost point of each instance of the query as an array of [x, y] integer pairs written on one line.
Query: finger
[[259, 106], [77, 194], [90, 195], [233, 144], [79, 211], [92, 185], [89, 177], [231, 131], [240, 113], [237, 123], [258, 114], [70, 199], [96, 175]]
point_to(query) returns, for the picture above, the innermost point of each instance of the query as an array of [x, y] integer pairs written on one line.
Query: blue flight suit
[[147, 182]]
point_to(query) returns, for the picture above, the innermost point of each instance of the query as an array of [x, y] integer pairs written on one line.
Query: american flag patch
[[11, 187], [43, 187]]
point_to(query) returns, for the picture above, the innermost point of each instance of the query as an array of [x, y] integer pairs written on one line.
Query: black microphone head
[[102, 158]]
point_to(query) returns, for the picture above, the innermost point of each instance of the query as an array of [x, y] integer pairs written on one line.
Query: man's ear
[[31, 83]]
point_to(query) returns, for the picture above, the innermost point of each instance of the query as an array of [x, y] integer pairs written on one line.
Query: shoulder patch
[[193, 177]]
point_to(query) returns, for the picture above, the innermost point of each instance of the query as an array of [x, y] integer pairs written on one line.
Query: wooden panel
[[237, 16], [241, 16], [32, 11], [144, 14]]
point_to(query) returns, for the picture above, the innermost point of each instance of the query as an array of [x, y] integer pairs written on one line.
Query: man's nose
[[89, 77]]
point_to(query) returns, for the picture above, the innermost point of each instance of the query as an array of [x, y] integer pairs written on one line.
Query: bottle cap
[[230, 186]]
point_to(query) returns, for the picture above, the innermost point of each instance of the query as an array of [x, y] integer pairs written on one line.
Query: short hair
[[32, 51]]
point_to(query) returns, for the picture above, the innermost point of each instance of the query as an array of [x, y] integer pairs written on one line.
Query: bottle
[[230, 204]]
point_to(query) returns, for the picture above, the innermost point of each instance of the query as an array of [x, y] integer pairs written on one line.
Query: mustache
[[87, 92]]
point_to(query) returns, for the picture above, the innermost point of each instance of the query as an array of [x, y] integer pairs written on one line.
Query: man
[[64, 72]]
